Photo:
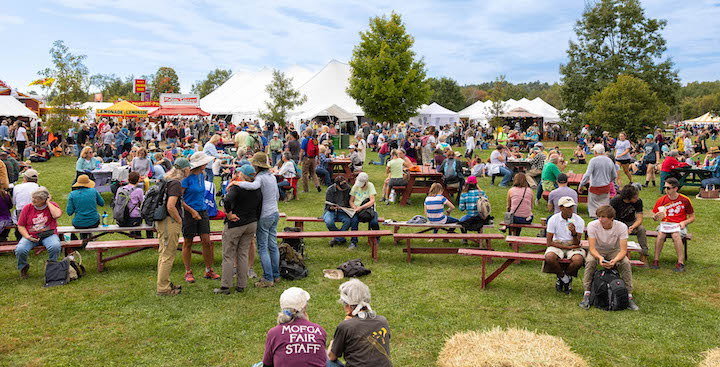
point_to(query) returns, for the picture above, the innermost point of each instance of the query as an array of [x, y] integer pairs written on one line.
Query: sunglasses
[[668, 187]]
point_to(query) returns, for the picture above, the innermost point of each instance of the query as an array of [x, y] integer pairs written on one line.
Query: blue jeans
[[275, 157], [52, 244], [382, 157], [539, 192], [209, 176], [374, 226], [335, 363], [281, 185], [323, 174], [706, 183], [520, 220], [507, 177], [333, 216], [171, 141], [448, 220], [118, 150], [267, 247]]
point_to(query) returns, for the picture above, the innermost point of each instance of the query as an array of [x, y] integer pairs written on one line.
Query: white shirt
[[22, 194], [362, 149], [494, 158], [20, 134], [558, 226], [470, 143], [288, 170]]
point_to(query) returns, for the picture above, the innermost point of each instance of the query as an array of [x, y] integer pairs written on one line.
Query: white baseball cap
[[566, 201]]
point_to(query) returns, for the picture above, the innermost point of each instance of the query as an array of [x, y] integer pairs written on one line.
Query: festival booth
[[435, 115], [706, 119], [11, 107], [522, 116], [122, 109]]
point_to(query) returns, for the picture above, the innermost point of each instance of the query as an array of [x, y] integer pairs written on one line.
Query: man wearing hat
[[243, 209], [21, 192], [651, 158], [714, 168], [276, 148], [563, 242], [37, 223], [12, 166], [337, 196]]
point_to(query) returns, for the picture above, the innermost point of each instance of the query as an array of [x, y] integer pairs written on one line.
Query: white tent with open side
[[707, 118], [435, 115], [11, 107]]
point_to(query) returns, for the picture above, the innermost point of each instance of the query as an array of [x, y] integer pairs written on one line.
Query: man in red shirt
[[37, 223], [675, 212], [669, 164]]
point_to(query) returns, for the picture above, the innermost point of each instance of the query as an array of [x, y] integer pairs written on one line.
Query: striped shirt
[[435, 205], [468, 201]]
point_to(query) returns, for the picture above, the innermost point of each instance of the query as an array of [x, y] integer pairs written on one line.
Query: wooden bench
[[684, 240], [300, 221], [8, 248], [400, 190], [426, 227], [135, 246], [517, 241], [476, 237], [510, 257], [371, 235]]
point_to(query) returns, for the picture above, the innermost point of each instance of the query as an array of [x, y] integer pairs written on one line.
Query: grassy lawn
[[115, 318]]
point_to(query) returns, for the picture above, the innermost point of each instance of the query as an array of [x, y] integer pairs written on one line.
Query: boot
[[644, 259]]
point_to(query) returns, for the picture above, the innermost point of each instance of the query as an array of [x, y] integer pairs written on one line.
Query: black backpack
[[608, 291], [154, 205], [296, 243], [59, 272], [354, 268], [292, 265]]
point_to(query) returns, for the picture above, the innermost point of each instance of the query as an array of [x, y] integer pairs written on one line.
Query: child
[[435, 207], [478, 168], [469, 197]]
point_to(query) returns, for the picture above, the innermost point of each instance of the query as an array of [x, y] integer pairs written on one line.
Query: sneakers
[[567, 287], [211, 275], [239, 290], [24, 271], [679, 268], [382, 199], [633, 306], [352, 246], [644, 259], [655, 265], [585, 303], [252, 274], [221, 290], [318, 188], [264, 283], [189, 277], [559, 284]]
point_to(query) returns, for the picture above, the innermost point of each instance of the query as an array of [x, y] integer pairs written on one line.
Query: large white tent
[[11, 107], [435, 115], [707, 118], [325, 89], [479, 111]]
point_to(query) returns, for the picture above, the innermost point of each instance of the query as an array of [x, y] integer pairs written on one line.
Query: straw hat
[[714, 150], [200, 159], [84, 181], [259, 159]]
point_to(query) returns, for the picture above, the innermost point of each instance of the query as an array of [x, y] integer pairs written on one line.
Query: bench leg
[[496, 272], [408, 250], [100, 263], [685, 248], [395, 230], [482, 279], [516, 248], [300, 225], [372, 241]]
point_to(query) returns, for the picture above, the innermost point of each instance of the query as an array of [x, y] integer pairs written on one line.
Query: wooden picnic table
[[523, 143], [341, 167], [420, 182], [426, 227], [100, 231], [690, 176]]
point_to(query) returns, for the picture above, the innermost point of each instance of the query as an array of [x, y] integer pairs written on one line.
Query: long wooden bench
[[684, 240], [400, 190], [39, 249], [372, 237], [510, 257], [426, 227], [300, 221], [516, 242], [484, 238]]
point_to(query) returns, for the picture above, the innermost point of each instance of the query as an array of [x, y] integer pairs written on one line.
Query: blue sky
[[470, 41]]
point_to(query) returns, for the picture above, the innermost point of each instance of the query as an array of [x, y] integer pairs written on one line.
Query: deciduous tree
[[165, 81], [446, 92], [283, 98], [213, 80], [69, 72]]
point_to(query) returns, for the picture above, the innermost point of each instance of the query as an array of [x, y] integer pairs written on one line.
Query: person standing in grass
[[623, 147], [651, 158], [608, 248], [170, 228], [601, 175], [674, 211]]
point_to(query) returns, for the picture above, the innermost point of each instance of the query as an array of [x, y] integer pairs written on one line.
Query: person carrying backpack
[[608, 240], [451, 169], [127, 204], [310, 150]]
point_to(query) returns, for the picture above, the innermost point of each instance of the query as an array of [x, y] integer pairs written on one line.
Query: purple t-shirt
[[298, 343]]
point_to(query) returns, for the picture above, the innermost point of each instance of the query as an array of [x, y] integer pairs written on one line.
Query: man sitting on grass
[[675, 212], [608, 247], [563, 242]]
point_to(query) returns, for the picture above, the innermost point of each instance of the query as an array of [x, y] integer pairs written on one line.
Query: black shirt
[[337, 196], [246, 204], [625, 212]]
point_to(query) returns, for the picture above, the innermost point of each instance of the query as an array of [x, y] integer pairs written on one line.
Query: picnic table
[[100, 231], [518, 165], [341, 167], [523, 143], [420, 182], [690, 176], [574, 180], [426, 227]]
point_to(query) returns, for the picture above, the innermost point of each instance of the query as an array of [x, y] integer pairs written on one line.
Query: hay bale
[[712, 358], [507, 348]]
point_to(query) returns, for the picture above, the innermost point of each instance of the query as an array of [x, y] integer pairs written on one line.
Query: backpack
[[292, 266], [354, 268], [296, 243], [120, 206], [608, 291], [425, 139], [63, 271], [312, 149], [154, 206], [209, 197], [483, 207]]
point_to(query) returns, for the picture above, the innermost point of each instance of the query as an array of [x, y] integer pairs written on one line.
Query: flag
[[44, 81], [3, 85]]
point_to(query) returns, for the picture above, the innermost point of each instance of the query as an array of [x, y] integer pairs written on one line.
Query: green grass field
[[115, 318]]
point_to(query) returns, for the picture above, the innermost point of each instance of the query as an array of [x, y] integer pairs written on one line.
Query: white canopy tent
[[92, 107], [479, 111], [707, 118], [435, 115], [11, 107]]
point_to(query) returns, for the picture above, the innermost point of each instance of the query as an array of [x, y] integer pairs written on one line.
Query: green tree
[[283, 98], [165, 81], [472, 94], [214, 79], [615, 37], [628, 105], [387, 81], [69, 72], [447, 93], [497, 96]]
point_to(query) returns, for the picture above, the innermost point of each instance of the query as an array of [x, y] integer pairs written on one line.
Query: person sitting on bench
[[608, 247], [338, 194], [629, 210], [37, 224], [675, 212], [563, 241], [362, 198]]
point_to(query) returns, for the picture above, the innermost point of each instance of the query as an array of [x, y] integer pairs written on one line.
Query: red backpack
[[312, 149]]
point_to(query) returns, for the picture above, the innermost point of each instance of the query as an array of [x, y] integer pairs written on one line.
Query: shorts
[[397, 182], [565, 254], [670, 228], [192, 227], [623, 161]]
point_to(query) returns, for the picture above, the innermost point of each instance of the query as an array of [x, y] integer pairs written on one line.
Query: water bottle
[[104, 219]]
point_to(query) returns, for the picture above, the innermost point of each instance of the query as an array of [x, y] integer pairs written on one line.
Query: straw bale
[[712, 358], [507, 348]]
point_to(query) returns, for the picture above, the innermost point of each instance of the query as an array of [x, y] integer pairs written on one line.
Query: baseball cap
[[539, 144], [472, 180], [294, 298], [362, 179], [182, 163], [562, 178], [566, 201], [649, 136], [247, 170], [351, 146], [31, 173]]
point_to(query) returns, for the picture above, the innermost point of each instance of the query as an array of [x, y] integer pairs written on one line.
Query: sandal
[[171, 292]]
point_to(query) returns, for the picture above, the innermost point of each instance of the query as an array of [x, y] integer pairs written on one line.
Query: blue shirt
[[4, 132], [468, 201], [715, 168], [194, 195], [83, 202], [125, 131], [435, 207], [304, 145]]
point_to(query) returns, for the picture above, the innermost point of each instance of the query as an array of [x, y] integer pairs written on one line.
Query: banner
[[122, 113], [139, 86], [44, 81], [146, 103], [3, 85], [175, 99], [98, 97]]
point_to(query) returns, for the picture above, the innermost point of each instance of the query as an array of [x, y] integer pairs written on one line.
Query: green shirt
[[396, 168], [550, 172], [363, 193], [275, 145]]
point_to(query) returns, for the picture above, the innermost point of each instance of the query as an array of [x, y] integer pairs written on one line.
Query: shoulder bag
[[509, 218]]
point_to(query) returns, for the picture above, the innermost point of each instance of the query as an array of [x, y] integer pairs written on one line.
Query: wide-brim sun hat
[[84, 181], [714, 150], [199, 159], [260, 159]]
